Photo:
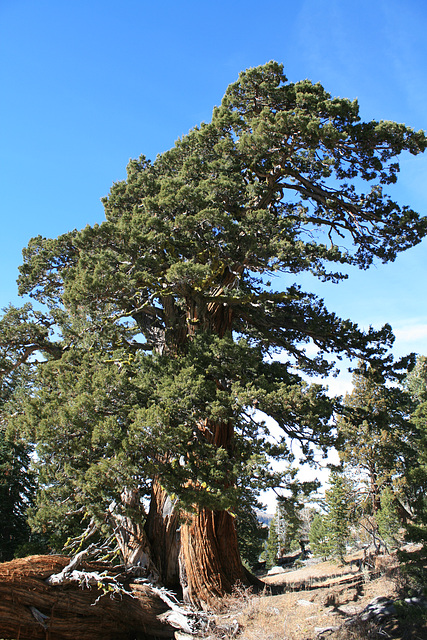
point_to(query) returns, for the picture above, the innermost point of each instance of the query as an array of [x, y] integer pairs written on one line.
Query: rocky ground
[[324, 601]]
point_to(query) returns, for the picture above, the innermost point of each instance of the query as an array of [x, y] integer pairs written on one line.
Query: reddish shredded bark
[[209, 556]]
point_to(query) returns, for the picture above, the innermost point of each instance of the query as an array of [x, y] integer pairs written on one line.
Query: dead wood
[[107, 609]]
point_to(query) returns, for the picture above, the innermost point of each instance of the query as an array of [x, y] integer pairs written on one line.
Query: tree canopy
[[161, 325]]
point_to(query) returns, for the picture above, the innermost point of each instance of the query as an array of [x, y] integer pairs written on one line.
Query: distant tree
[[272, 547], [289, 513], [340, 513], [17, 480], [319, 536], [252, 536], [389, 522], [377, 438], [169, 305]]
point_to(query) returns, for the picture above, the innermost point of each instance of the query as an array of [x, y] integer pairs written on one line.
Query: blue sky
[[88, 85]]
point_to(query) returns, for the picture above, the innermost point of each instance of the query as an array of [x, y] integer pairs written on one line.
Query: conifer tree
[[341, 508], [318, 536], [377, 438], [272, 547], [416, 474], [171, 299], [388, 520], [17, 481]]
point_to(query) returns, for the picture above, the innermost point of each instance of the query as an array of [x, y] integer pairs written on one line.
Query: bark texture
[[162, 531], [210, 560], [131, 537], [30, 609]]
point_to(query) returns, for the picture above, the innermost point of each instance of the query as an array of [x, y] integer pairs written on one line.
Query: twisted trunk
[[130, 533], [202, 554], [209, 559], [162, 531]]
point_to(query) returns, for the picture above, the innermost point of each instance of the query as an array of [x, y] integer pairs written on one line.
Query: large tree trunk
[[210, 560], [207, 548], [162, 531], [30, 608]]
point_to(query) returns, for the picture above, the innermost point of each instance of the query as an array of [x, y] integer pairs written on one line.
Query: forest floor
[[323, 601]]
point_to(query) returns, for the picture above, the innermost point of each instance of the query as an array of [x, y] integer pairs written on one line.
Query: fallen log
[[91, 604]]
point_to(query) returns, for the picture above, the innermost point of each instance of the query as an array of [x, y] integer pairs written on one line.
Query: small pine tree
[[341, 505], [318, 536], [289, 512], [272, 543], [388, 519], [340, 510]]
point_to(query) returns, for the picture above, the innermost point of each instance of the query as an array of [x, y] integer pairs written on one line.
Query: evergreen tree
[[388, 520], [416, 474], [341, 508], [289, 512], [272, 547], [378, 441], [319, 536], [251, 535], [172, 295], [17, 481]]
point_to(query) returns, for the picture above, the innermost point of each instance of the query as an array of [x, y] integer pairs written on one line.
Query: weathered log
[[32, 609]]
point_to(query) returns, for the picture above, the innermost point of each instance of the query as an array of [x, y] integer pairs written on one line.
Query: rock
[[350, 609], [275, 570], [379, 608], [304, 603], [273, 610], [417, 602]]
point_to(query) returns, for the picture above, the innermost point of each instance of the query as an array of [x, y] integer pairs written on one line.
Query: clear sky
[[86, 85]]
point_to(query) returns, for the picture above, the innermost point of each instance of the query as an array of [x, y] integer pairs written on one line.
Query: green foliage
[[16, 491], [330, 531], [289, 513], [17, 480], [319, 536], [160, 325], [251, 533], [272, 547], [79, 414], [341, 509], [388, 520], [378, 441], [416, 474]]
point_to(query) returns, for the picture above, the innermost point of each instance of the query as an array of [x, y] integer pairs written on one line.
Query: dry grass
[[317, 612]]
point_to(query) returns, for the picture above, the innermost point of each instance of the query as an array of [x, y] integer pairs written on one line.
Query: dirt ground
[[317, 601]]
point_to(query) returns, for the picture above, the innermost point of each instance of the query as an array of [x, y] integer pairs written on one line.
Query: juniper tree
[[175, 288]]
